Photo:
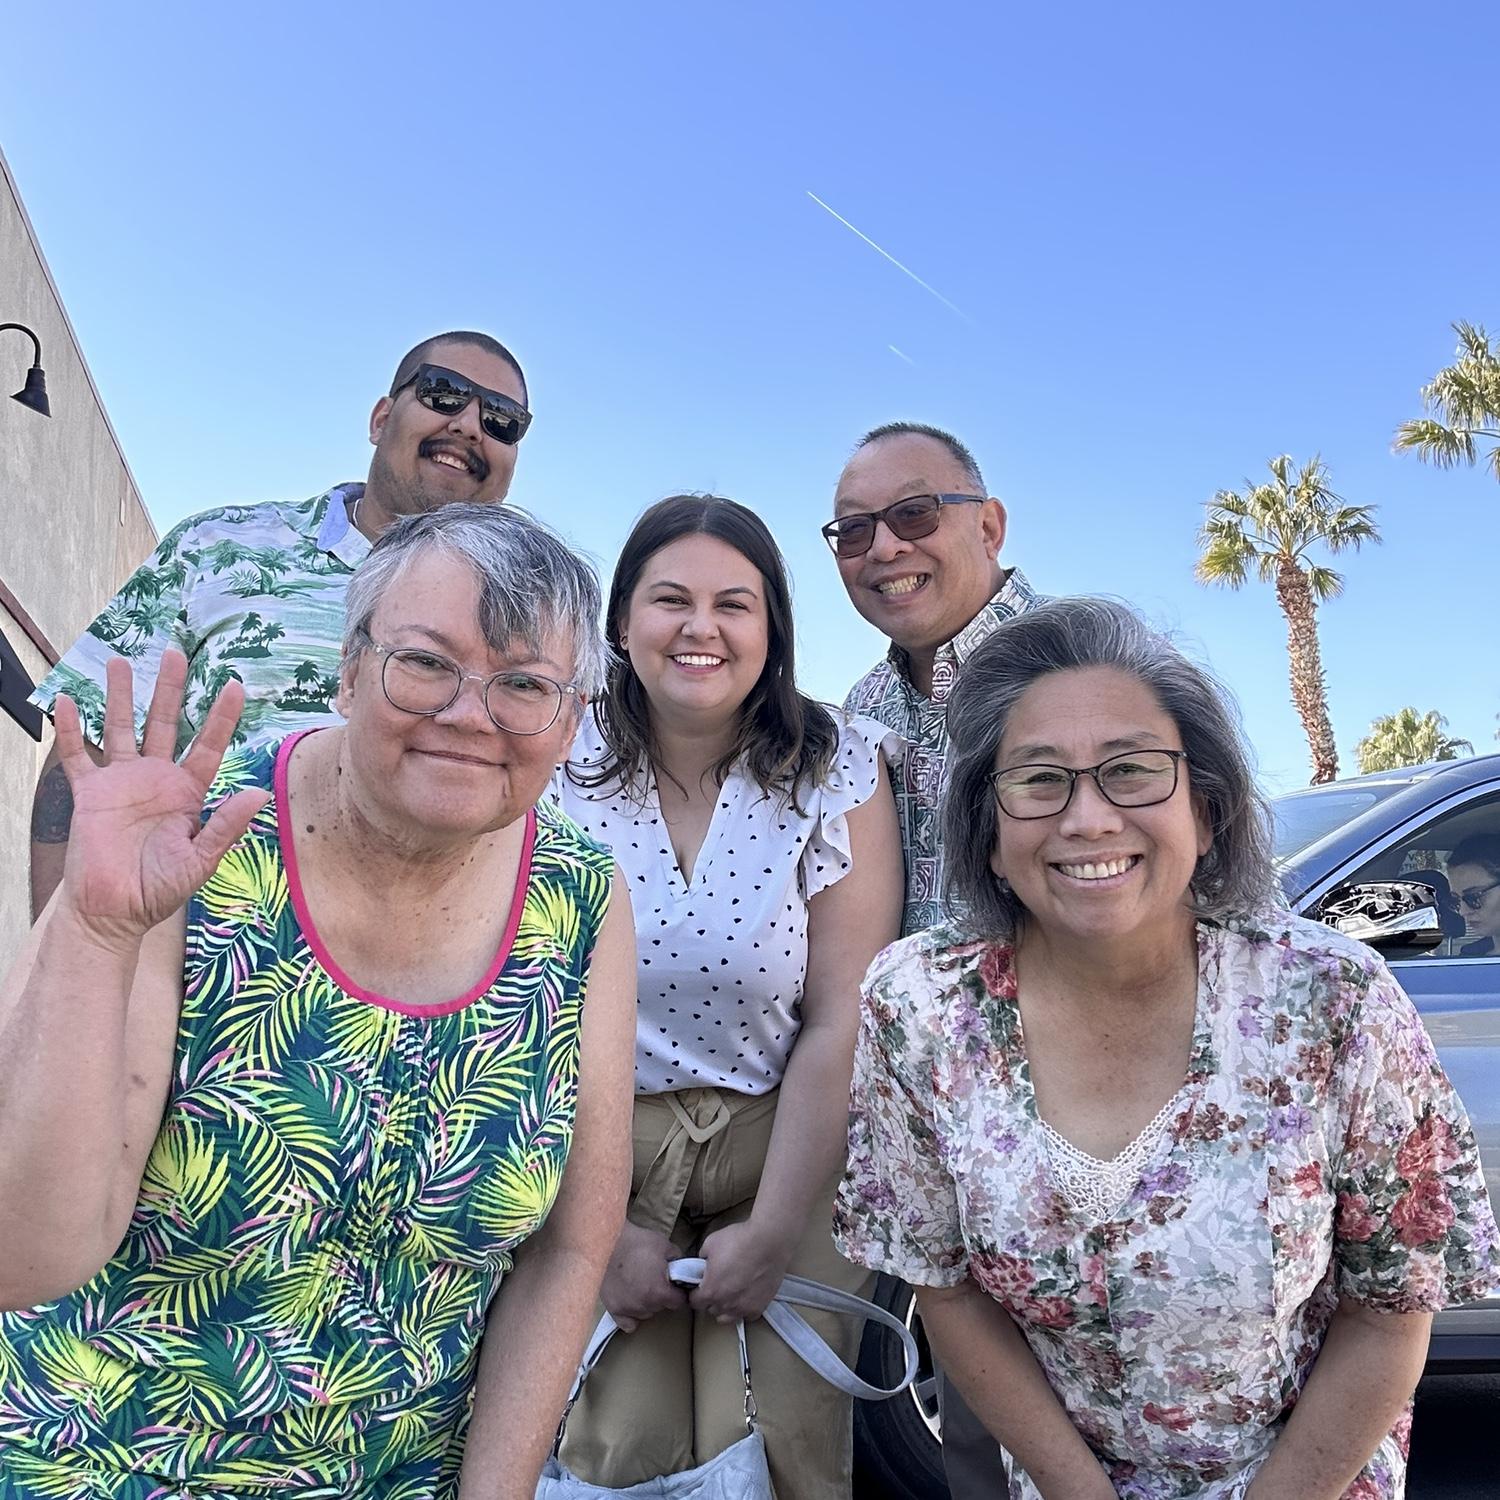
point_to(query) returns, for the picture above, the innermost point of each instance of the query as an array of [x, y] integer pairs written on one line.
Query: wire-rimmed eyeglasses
[[1136, 778], [418, 681]]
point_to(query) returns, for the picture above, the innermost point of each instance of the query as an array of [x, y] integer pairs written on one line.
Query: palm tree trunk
[[1309, 691]]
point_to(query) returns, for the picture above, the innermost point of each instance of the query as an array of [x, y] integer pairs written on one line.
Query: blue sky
[[1183, 238]]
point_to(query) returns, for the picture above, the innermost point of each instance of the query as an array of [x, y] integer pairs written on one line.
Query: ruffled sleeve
[[1415, 1231], [850, 782]]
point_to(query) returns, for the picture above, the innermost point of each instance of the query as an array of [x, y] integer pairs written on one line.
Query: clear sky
[[1161, 243]]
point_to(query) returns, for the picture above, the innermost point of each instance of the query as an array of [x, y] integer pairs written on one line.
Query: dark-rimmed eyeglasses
[[1473, 898], [418, 681], [1138, 778], [910, 519], [447, 393]]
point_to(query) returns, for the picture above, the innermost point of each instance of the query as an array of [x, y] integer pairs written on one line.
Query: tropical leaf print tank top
[[337, 1189]]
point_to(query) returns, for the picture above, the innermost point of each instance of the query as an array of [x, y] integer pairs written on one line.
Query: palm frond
[[1433, 443], [1231, 503], [1349, 526], [1324, 583], [1474, 343], [1224, 562]]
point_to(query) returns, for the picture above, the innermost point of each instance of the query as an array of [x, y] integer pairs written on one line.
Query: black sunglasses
[[910, 519], [447, 393], [1473, 898]]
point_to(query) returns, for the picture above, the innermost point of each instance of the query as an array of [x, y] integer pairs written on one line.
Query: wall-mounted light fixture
[[34, 392]]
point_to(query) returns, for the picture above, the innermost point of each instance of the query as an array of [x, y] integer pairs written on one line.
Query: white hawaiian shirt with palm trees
[[253, 592]]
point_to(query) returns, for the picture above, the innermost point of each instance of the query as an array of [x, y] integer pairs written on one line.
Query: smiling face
[[1097, 873], [433, 780], [920, 594], [696, 631], [1471, 877], [423, 459]]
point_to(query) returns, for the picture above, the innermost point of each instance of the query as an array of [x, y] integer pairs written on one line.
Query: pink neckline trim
[[315, 942]]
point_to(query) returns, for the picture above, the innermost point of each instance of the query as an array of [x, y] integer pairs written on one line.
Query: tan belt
[[696, 1117]]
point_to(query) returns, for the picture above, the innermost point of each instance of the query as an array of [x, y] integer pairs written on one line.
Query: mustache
[[475, 460]]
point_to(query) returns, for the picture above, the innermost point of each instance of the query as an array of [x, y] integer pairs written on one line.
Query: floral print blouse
[[1318, 1152]]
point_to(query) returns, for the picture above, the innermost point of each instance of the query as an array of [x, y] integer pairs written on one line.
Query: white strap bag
[[740, 1472]]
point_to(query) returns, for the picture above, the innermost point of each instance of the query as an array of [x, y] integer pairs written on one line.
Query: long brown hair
[[786, 739]]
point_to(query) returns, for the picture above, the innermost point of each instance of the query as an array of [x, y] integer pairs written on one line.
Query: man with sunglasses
[[256, 592], [917, 540]]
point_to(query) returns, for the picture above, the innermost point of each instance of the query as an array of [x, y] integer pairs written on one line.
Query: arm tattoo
[[52, 812]]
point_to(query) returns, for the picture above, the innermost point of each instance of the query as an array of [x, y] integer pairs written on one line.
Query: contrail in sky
[[906, 270], [899, 355]]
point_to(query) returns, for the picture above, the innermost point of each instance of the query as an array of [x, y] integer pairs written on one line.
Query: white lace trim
[[1097, 1188]]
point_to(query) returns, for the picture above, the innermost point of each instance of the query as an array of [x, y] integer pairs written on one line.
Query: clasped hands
[[744, 1267]]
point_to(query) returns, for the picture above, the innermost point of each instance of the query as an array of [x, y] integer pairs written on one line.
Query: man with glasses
[[256, 592], [917, 540]]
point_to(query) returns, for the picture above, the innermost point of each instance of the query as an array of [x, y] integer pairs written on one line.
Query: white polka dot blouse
[[722, 957]]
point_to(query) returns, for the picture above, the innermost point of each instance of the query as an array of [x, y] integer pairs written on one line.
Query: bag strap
[[605, 1330], [795, 1331], [804, 1341]]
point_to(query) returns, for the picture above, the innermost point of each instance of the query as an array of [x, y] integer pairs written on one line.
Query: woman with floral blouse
[[1176, 1173]]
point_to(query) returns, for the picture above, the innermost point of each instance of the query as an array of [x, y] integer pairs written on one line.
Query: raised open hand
[[138, 848]]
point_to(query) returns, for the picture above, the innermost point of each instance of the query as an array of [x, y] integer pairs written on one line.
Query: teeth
[[699, 661], [1093, 871], [902, 585], [451, 460]]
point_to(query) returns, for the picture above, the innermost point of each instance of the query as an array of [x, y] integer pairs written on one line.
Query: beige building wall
[[72, 524]]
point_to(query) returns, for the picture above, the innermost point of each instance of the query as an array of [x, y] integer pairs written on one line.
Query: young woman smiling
[[758, 838]]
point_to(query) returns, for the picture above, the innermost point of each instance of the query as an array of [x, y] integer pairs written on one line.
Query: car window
[[1459, 855], [1302, 818]]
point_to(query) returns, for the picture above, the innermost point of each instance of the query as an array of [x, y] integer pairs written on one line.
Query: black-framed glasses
[[418, 681], [910, 519], [1473, 898], [1138, 778], [447, 393]]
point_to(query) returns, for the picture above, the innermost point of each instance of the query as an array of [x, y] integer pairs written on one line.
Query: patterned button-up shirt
[[887, 694], [254, 592]]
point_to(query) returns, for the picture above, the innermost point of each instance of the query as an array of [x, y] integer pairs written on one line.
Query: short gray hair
[[957, 451], [1234, 877], [531, 584]]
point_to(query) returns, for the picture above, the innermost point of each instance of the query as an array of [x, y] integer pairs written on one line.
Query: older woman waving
[[288, 1097], [1176, 1173]]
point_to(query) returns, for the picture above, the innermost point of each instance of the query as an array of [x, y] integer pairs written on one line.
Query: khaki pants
[[669, 1396]]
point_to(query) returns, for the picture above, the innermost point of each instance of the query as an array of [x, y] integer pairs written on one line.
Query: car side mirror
[[1385, 913]]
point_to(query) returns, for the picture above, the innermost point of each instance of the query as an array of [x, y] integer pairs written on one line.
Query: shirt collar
[[1014, 596], [334, 533]]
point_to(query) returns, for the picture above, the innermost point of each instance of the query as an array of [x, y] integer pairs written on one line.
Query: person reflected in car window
[[1474, 876]]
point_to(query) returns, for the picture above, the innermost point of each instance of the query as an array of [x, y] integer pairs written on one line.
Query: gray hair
[[1234, 877], [531, 584], [957, 451]]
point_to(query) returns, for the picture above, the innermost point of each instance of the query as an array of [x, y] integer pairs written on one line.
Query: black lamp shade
[[34, 392]]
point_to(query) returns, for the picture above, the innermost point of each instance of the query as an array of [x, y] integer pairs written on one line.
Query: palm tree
[[1462, 402], [1273, 526], [1407, 738]]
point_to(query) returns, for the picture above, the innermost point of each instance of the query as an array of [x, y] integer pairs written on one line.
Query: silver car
[[1369, 856]]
